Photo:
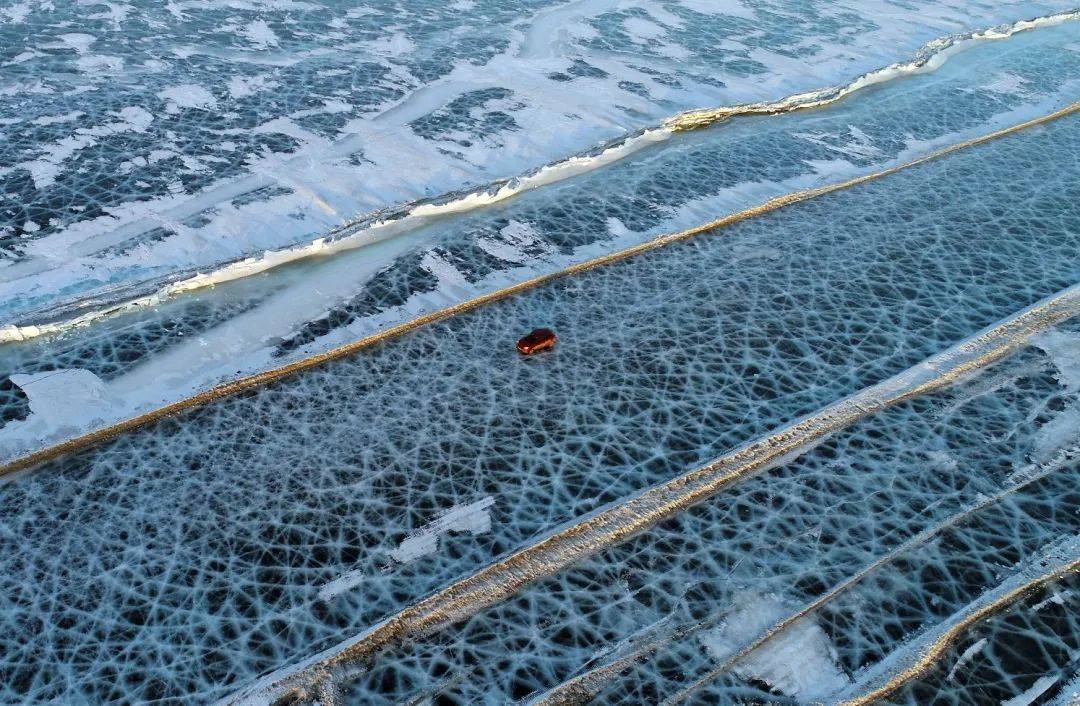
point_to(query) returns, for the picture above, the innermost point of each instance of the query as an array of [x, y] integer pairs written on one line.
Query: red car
[[542, 339]]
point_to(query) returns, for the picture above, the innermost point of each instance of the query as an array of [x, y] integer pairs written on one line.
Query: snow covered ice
[[811, 433]]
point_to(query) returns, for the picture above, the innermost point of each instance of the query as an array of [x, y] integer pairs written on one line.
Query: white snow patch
[[1059, 433], [642, 30], [99, 64], [343, 583], [617, 228], [474, 518], [18, 87], [1028, 697], [1063, 430], [115, 13], [135, 118], [799, 661], [23, 56], [442, 269], [1070, 694], [240, 86], [261, 35], [54, 119], [1057, 599], [393, 45], [501, 250], [1064, 350], [711, 7], [78, 41], [45, 168], [16, 13], [57, 393], [1007, 84], [860, 146], [188, 95], [254, 5], [285, 126], [355, 12], [329, 107], [966, 657], [512, 242], [942, 460]]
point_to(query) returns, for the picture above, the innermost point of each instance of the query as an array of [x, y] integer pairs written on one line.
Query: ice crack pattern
[[825, 452]]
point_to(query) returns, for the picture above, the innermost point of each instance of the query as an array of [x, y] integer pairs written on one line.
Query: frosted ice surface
[[116, 346], [181, 561], [1039, 635], [198, 546], [675, 184], [704, 176], [774, 544], [267, 124]]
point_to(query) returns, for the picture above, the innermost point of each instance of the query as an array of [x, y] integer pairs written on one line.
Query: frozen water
[[198, 546], [788, 536], [1026, 657], [679, 183], [925, 550], [58, 391], [801, 663], [683, 184], [241, 127]]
